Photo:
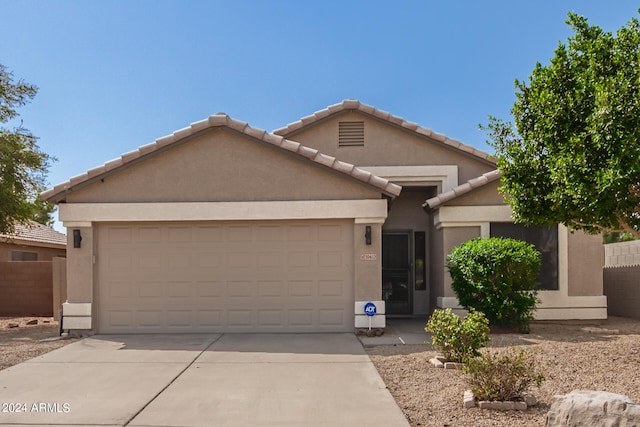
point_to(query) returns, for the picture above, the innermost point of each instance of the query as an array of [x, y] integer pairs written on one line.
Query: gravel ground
[[24, 342], [604, 356]]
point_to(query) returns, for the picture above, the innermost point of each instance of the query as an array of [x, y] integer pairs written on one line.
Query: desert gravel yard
[[24, 341], [603, 356]]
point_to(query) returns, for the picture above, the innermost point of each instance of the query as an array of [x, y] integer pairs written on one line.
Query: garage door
[[271, 276]]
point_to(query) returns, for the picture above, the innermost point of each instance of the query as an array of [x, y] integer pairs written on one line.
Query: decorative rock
[[530, 400], [12, 325], [591, 408], [32, 322], [468, 400]]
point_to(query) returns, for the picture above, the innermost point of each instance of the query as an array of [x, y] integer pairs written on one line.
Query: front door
[[396, 272]]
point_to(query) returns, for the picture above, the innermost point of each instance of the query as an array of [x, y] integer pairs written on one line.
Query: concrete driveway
[[200, 380]]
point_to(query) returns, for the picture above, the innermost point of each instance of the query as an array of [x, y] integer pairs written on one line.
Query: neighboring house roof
[[219, 120], [35, 234], [354, 104], [458, 191]]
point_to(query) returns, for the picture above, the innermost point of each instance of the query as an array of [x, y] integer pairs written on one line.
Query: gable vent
[[350, 134]]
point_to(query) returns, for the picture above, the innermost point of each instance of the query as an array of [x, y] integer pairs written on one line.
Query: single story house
[[32, 242], [222, 227]]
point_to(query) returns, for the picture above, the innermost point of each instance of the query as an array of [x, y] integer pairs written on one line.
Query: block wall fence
[[621, 276]]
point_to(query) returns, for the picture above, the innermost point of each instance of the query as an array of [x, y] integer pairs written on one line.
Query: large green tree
[[573, 156], [23, 166]]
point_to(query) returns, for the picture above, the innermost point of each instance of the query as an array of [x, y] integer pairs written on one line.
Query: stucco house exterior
[[32, 242], [222, 227]]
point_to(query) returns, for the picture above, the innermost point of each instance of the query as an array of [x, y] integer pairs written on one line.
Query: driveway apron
[[200, 380]]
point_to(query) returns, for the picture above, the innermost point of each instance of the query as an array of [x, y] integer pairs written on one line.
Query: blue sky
[[114, 75]]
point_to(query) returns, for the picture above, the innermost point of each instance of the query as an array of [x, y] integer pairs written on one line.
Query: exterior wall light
[[367, 234], [77, 238]]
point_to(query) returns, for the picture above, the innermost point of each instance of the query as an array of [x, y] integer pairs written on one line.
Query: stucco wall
[[26, 288], [368, 262], [436, 263], [484, 196], [221, 165], [585, 262], [388, 145], [452, 237]]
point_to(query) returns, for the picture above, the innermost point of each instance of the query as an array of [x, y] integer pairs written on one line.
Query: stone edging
[[469, 401], [441, 362]]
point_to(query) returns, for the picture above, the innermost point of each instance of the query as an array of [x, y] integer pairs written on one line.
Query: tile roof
[[36, 233], [354, 104], [458, 191], [222, 120]]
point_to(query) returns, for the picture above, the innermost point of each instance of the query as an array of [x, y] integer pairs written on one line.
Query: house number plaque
[[369, 257]]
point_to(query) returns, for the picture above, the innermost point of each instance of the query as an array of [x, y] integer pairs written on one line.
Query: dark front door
[[396, 273]]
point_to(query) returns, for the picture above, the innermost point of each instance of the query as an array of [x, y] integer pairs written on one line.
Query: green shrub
[[458, 338], [497, 276], [506, 378]]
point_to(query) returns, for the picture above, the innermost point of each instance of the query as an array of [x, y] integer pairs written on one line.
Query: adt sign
[[370, 309]]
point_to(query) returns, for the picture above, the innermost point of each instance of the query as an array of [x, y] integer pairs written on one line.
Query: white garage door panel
[[208, 277]]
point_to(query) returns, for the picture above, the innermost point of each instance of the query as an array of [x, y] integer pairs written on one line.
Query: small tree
[[23, 166], [497, 276], [573, 156], [458, 338]]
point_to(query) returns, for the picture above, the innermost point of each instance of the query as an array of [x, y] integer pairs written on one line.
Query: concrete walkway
[[200, 380]]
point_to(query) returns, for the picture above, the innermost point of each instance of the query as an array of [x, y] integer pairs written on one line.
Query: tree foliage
[[573, 156], [23, 166]]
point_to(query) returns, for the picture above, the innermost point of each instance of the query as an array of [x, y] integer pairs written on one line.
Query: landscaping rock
[[12, 325], [32, 322], [530, 400], [593, 408]]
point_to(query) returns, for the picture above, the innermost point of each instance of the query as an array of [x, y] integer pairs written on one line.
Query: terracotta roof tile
[[353, 104], [36, 233], [57, 193], [461, 189]]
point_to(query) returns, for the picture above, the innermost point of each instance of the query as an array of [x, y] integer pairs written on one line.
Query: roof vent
[[350, 134]]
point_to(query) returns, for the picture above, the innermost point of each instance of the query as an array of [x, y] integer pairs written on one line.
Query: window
[[545, 239], [24, 256], [350, 134], [420, 261]]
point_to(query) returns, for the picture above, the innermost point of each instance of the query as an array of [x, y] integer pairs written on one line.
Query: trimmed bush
[[504, 378], [497, 276], [458, 338]]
